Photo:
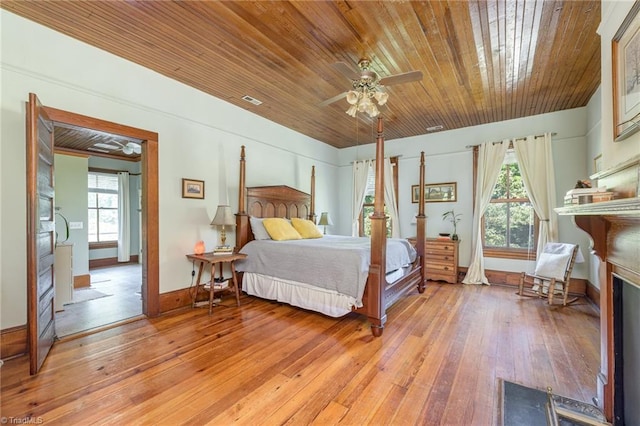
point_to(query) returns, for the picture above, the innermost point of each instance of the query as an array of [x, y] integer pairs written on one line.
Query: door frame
[[149, 184]]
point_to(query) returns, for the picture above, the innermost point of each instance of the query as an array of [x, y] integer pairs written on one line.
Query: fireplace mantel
[[597, 220], [614, 228]]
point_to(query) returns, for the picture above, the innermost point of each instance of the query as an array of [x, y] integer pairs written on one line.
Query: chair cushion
[[552, 265]]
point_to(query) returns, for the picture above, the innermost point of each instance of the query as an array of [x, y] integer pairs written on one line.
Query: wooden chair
[[552, 273]]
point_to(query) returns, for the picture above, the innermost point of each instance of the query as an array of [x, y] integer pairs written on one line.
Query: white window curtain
[[390, 198], [535, 160], [490, 157], [360, 174], [124, 220]]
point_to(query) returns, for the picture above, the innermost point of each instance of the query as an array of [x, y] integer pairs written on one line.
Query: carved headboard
[[271, 201], [278, 201]]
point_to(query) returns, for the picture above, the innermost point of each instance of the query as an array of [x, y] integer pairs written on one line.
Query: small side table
[[213, 260]]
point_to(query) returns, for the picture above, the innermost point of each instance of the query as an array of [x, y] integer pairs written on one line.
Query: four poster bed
[[381, 270]]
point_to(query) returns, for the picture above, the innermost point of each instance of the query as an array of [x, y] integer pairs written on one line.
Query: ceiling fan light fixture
[[381, 97], [352, 111], [352, 97], [135, 148]]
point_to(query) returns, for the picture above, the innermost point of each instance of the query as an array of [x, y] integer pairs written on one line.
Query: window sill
[[509, 254], [102, 245]]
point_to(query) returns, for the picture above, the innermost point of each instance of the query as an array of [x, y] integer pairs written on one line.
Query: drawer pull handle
[[446, 268], [446, 258]]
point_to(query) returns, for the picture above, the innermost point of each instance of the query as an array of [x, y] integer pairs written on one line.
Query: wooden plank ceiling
[[482, 61]]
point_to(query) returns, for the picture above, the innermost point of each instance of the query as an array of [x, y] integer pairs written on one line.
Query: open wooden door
[[40, 234]]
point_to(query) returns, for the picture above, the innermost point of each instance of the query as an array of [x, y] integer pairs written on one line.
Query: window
[[510, 223], [103, 208], [369, 200]]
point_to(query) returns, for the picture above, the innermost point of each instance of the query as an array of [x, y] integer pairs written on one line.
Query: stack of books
[[221, 250], [218, 285], [587, 195]]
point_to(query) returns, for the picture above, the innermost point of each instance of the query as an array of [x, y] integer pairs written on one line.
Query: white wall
[[448, 160], [71, 197], [198, 136]]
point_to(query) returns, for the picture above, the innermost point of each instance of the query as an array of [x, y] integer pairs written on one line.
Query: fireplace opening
[[626, 332]]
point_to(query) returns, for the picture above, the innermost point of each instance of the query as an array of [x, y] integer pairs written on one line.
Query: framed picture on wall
[[597, 163], [192, 188], [625, 53], [435, 192]]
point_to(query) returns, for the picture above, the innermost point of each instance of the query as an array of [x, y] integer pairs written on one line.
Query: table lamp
[[223, 218], [325, 221]]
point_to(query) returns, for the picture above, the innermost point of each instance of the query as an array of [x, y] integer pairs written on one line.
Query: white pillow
[[258, 229]]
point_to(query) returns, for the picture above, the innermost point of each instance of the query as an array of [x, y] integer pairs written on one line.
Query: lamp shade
[[224, 217], [325, 220]]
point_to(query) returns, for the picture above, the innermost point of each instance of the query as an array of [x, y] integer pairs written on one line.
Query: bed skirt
[[298, 294]]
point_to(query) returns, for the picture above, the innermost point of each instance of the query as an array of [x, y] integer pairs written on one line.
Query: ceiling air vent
[[252, 100], [435, 128]]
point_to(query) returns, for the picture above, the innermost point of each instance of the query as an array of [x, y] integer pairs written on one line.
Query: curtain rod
[[367, 159], [514, 139], [112, 171]]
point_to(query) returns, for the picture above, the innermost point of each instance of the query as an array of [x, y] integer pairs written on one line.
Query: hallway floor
[[117, 289]]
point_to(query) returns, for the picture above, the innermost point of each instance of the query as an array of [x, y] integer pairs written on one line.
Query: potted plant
[[454, 218]]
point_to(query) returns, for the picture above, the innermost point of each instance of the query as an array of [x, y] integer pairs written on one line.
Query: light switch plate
[[75, 225]]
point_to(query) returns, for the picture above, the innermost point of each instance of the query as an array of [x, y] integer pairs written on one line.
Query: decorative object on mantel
[[454, 218], [223, 218], [586, 195], [586, 183]]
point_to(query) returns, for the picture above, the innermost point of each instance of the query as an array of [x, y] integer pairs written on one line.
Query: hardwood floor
[[120, 286], [439, 361]]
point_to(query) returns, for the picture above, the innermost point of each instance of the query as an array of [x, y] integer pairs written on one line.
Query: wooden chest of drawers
[[441, 259]]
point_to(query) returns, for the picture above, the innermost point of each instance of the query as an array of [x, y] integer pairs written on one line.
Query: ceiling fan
[[128, 148], [367, 86]]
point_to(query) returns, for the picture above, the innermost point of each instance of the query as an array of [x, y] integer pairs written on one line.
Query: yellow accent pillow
[[306, 228], [280, 229]]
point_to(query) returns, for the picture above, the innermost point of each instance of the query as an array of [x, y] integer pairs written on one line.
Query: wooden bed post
[[242, 218], [376, 292], [312, 212], [421, 226]]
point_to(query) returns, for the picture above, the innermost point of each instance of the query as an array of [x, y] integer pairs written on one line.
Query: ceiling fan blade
[[406, 77], [332, 100], [346, 70]]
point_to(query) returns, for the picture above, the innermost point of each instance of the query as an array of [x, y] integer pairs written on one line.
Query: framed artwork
[[597, 163], [625, 52], [192, 188], [435, 192]]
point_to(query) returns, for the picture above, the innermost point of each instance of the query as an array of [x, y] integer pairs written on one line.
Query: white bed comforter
[[333, 262]]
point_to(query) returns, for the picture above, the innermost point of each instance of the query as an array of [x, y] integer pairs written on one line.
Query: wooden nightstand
[[213, 260], [441, 259]]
